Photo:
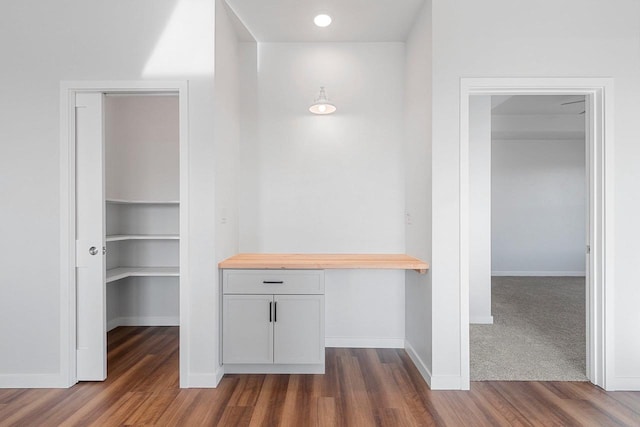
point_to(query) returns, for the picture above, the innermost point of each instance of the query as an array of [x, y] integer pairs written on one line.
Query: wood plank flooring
[[361, 387]]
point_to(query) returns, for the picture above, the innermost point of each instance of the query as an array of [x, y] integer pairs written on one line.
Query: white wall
[[501, 38], [538, 205], [92, 40], [526, 198], [331, 183], [418, 229], [537, 126], [143, 301], [226, 151], [249, 176], [142, 148], [538, 186], [480, 208]]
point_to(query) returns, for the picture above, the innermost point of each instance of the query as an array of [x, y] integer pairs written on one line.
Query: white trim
[[113, 323], [364, 342], [481, 320], [606, 253], [143, 321], [68, 89], [418, 362], [33, 381], [205, 380], [539, 273], [599, 92], [464, 239], [625, 384], [67, 239], [447, 382], [185, 284], [219, 374], [274, 368]]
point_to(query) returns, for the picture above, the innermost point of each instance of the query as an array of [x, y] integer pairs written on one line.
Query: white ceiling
[[353, 20], [536, 105]]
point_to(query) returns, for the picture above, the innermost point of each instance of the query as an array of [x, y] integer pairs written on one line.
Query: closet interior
[[142, 188]]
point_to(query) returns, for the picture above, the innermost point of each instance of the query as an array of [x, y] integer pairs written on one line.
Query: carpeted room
[[538, 331], [528, 231]]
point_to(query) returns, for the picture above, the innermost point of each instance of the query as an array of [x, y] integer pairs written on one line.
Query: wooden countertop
[[325, 261]]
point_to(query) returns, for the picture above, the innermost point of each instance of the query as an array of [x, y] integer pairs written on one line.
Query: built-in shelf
[[143, 202], [124, 272], [120, 237]]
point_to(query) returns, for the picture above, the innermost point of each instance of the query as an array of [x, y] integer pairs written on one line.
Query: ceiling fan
[[575, 102]]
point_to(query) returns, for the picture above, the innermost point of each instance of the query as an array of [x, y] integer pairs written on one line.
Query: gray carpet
[[538, 332]]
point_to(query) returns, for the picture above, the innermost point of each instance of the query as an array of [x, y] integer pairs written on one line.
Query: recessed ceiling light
[[322, 20]]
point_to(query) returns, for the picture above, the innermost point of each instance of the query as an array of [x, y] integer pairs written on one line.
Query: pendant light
[[321, 105]]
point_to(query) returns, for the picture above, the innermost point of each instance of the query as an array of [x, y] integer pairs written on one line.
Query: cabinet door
[[247, 329], [298, 329]]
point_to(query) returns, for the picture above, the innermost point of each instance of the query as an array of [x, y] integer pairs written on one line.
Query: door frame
[[598, 93], [68, 325]]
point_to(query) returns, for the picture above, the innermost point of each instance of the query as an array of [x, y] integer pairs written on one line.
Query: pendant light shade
[[321, 105]]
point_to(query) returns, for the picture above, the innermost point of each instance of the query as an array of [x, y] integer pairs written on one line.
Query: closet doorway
[[126, 215]]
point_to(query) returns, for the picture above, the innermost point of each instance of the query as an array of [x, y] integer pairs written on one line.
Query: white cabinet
[[273, 321], [298, 329], [248, 329]]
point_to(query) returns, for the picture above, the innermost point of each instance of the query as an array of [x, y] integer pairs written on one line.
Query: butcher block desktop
[[324, 262], [273, 308]]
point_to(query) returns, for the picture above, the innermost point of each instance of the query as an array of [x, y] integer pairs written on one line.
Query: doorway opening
[[124, 182], [599, 260], [528, 237]]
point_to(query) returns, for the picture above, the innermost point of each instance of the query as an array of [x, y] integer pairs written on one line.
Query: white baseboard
[[219, 375], [33, 381], [481, 320], [443, 382], [231, 368], [366, 342], [143, 321], [418, 362], [539, 273], [625, 384], [205, 380], [446, 382]]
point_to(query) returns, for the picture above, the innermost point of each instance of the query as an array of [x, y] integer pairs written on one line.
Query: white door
[[90, 231], [589, 179], [298, 329]]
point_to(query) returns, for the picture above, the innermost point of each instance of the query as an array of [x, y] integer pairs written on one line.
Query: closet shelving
[[142, 209], [124, 272], [134, 214]]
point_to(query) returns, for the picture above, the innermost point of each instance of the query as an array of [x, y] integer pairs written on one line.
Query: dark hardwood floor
[[361, 387]]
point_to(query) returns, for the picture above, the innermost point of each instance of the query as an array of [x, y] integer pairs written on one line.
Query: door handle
[[275, 311], [270, 303], [93, 250]]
